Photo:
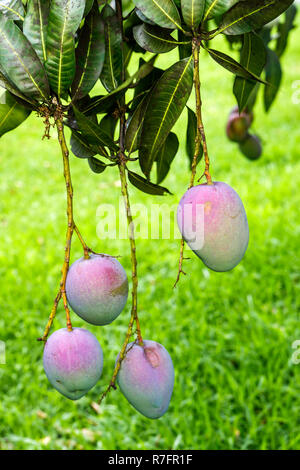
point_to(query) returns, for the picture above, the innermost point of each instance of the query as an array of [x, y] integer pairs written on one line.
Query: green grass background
[[230, 335]]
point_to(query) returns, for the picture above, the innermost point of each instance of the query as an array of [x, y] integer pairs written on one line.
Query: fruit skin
[[97, 288], [146, 378], [73, 361], [220, 234], [238, 125], [251, 147]]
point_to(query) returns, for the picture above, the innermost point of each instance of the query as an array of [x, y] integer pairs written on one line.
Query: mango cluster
[[97, 291], [237, 130]]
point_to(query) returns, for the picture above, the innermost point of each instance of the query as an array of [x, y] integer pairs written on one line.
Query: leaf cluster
[[53, 53]]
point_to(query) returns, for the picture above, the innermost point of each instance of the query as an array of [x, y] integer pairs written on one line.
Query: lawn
[[230, 335]]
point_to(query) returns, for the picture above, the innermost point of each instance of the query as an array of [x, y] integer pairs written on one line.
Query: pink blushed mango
[[97, 289], [146, 378], [238, 125], [213, 222], [251, 147], [73, 361]]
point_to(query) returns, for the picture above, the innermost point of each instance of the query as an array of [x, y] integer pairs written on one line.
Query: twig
[[200, 139], [122, 170]]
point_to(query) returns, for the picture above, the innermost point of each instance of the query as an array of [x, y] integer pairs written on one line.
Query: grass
[[230, 335]]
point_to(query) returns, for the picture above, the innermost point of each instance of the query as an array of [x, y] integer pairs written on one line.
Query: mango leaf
[[64, 20], [20, 62], [12, 9], [233, 66], [108, 124], [250, 15], [79, 146], [166, 104], [153, 38], [135, 125], [96, 165], [12, 114], [104, 104], [90, 54], [165, 157], [253, 58], [143, 17], [93, 131], [8, 85], [215, 8], [143, 185], [284, 30], [192, 12], [111, 76], [145, 84], [163, 12], [35, 26], [184, 49], [88, 7], [274, 76], [191, 133]]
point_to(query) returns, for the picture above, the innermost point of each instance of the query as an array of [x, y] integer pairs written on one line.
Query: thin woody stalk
[[71, 227], [200, 139], [124, 188]]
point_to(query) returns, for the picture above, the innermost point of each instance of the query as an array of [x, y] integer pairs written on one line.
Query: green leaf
[[135, 125], [88, 7], [215, 8], [12, 9], [143, 17], [273, 76], [165, 157], [111, 76], [96, 165], [251, 15], [79, 146], [167, 102], [20, 62], [145, 84], [185, 50], [12, 114], [145, 186], [90, 54], [153, 38], [64, 19], [108, 124], [163, 12], [191, 134], [232, 65], [253, 58], [103, 104], [8, 85], [36, 24], [192, 12], [284, 30], [93, 131]]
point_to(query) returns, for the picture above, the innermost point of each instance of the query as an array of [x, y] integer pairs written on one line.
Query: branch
[[71, 227], [200, 139], [124, 188]]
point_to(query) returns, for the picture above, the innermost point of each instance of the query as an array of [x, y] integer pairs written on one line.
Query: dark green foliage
[[12, 113], [166, 103], [191, 133], [56, 51], [64, 20], [20, 62], [253, 58]]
